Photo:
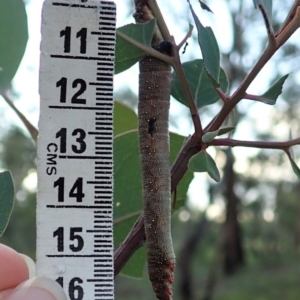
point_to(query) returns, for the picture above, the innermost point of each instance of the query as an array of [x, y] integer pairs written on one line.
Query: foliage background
[[266, 190]]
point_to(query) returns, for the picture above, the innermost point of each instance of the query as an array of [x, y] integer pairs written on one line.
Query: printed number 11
[[82, 34]]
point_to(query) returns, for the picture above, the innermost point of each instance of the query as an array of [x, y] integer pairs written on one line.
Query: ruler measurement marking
[[96, 83], [73, 5], [75, 107], [96, 133], [81, 255], [98, 231], [82, 157], [99, 197], [107, 124], [104, 80], [106, 19], [80, 57], [105, 200], [97, 280], [98, 182], [103, 245], [78, 206], [103, 5], [104, 31], [102, 89], [101, 133]]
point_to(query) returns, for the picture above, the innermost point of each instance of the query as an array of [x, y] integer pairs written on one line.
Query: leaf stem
[[270, 50], [270, 31], [176, 64], [188, 34], [290, 28], [222, 95], [146, 49], [258, 98], [136, 236], [290, 16], [160, 20], [121, 219], [256, 144], [174, 61], [240, 92]]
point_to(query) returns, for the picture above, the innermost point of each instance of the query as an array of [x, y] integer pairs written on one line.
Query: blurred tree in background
[[18, 154]]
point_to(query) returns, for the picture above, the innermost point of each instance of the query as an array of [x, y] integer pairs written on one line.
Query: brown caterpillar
[[153, 114]]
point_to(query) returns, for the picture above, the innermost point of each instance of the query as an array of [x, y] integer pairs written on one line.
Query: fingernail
[[30, 264], [39, 288]]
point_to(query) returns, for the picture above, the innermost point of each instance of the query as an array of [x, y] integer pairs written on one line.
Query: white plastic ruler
[[75, 155]]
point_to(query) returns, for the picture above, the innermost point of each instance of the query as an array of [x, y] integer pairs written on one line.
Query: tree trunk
[[232, 244]]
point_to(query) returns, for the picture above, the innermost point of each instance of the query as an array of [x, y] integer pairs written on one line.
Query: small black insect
[[151, 126], [185, 46]]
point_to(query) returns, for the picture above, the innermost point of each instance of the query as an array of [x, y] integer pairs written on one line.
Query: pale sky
[[26, 80]]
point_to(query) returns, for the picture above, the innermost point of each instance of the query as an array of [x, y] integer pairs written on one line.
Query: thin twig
[[258, 98], [222, 95], [136, 236], [240, 92], [32, 130], [146, 49], [133, 242], [188, 35], [160, 20], [290, 28], [124, 218], [270, 50], [290, 16], [271, 36], [176, 64], [256, 144], [174, 61]]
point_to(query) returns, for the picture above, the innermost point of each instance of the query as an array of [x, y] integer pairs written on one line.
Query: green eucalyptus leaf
[[135, 265], [271, 95], [7, 195], [128, 192], [231, 120], [126, 53], [13, 39], [203, 162], [204, 6], [209, 136], [125, 118], [224, 130], [201, 88], [210, 50], [294, 167]]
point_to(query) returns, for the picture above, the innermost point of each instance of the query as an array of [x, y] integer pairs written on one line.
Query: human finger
[[13, 270], [35, 289]]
